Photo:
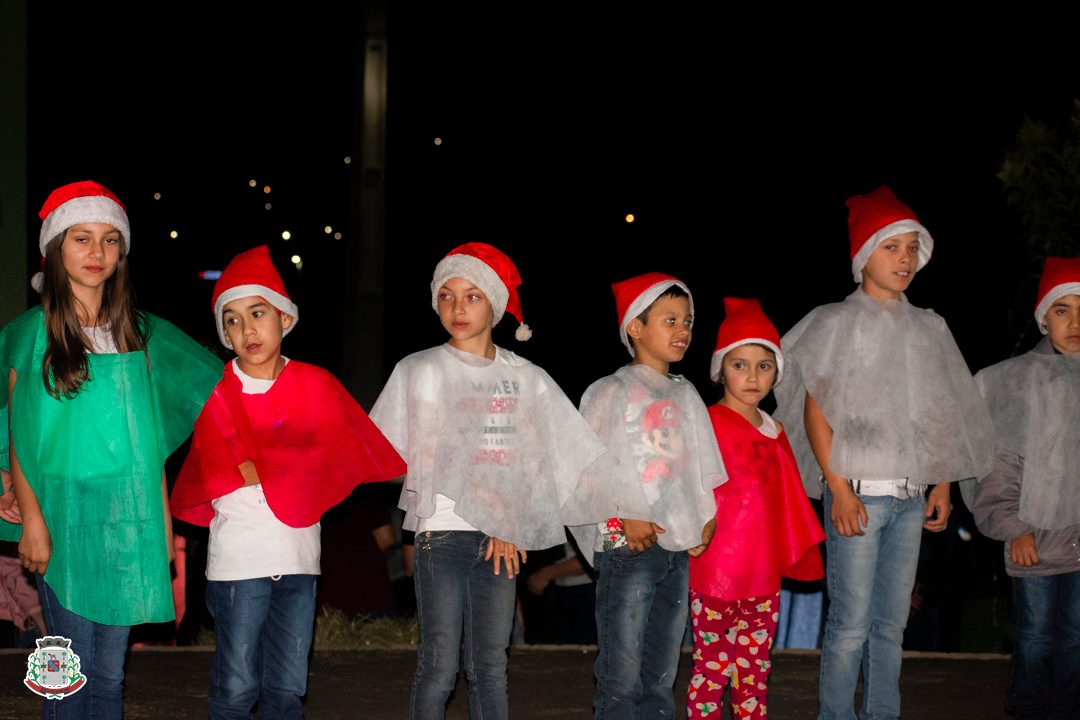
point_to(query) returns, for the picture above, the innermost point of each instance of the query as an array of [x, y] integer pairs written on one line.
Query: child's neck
[[749, 412], [87, 304], [268, 369], [877, 292], [656, 364], [480, 346]]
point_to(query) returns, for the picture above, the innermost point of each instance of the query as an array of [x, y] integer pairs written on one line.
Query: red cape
[[765, 527], [310, 441]]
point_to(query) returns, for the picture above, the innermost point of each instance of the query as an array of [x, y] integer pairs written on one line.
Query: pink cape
[[309, 439], [765, 527]]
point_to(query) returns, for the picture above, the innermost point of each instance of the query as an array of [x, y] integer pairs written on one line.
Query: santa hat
[[634, 295], [876, 217], [79, 202], [251, 274], [1060, 277], [745, 324], [492, 272]]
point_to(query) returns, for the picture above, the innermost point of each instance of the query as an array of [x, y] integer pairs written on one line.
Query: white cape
[[662, 461], [894, 388], [498, 437]]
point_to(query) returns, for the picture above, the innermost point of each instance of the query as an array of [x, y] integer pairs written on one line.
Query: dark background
[[734, 137]]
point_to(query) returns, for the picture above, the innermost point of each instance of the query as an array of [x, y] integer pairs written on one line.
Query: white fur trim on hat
[[643, 301], [86, 209], [479, 273], [1057, 292], [278, 300], [716, 365], [926, 245]]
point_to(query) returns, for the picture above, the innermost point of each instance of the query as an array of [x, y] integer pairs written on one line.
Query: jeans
[[101, 650], [459, 597], [641, 616], [263, 632], [869, 578], [1044, 676]]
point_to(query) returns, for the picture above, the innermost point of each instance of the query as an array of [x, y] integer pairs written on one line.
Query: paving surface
[[545, 682]]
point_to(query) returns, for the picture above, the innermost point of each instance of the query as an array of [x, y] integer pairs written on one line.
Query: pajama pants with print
[[732, 640]]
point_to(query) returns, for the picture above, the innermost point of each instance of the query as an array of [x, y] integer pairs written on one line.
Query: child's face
[[90, 252], [892, 266], [749, 372], [255, 328], [466, 314], [1063, 324], [665, 337]]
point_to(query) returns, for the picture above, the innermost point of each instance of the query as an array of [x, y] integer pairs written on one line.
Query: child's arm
[[249, 473], [35, 547], [938, 507], [508, 552], [848, 513], [997, 508], [707, 533]]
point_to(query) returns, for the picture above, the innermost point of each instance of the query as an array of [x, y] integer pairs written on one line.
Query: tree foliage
[[1041, 178]]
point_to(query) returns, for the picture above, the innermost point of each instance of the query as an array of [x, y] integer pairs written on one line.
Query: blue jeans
[[458, 596], [101, 650], [1044, 677], [262, 628], [641, 612], [869, 578]]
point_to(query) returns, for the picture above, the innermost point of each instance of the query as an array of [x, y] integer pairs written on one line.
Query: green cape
[[95, 463]]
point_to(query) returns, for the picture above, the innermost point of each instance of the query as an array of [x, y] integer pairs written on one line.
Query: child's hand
[[640, 534], [507, 552], [35, 547], [938, 508], [249, 473], [707, 533], [1022, 550], [848, 512]]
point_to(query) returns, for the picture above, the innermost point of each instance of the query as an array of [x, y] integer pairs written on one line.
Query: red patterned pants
[[732, 640]]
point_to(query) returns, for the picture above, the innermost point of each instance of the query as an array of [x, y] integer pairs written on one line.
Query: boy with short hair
[[663, 463], [278, 443], [1031, 500], [883, 414]]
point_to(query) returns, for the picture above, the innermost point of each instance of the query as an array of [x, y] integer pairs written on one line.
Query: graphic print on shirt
[[497, 402]]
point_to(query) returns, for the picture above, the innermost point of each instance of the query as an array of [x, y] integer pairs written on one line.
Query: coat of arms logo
[[52, 670]]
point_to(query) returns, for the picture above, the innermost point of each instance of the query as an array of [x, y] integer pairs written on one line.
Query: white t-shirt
[[246, 538]]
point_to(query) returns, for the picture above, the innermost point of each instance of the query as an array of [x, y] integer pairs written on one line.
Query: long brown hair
[[66, 366]]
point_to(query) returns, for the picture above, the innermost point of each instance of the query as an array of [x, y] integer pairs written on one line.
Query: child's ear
[[286, 321], [633, 328]]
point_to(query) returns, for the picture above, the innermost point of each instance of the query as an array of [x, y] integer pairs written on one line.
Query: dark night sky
[[734, 141]]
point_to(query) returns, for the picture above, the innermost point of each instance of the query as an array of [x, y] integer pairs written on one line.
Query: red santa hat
[[876, 217], [745, 323], [250, 274], [634, 295], [79, 202], [1060, 277], [489, 269]]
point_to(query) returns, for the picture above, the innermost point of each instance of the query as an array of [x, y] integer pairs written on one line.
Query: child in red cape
[[278, 443], [765, 527]]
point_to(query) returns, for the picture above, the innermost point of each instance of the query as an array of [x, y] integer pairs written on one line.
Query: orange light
[[629, 217]]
